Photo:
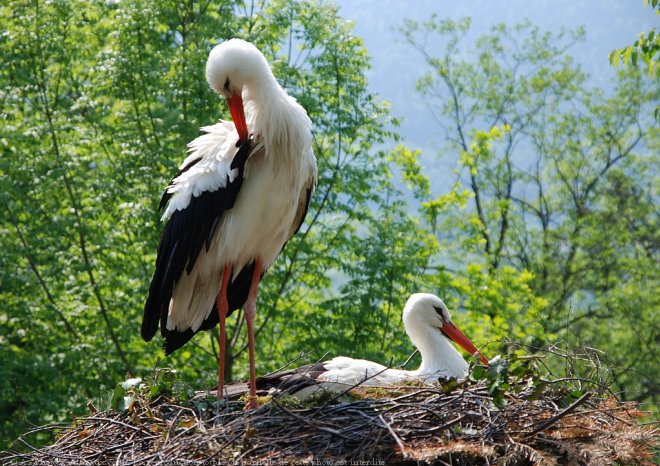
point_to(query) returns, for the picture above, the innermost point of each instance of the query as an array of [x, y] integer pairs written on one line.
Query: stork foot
[[251, 404]]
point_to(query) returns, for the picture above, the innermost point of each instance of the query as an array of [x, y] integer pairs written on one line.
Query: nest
[[456, 423]]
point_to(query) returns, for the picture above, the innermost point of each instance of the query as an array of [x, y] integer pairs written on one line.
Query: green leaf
[[614, 57], [626, 55]]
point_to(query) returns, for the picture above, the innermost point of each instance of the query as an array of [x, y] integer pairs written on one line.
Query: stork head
[[235, 66], [424, 310]]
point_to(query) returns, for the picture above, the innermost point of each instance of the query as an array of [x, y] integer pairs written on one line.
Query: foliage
[[646, 47], [161, 383], [554, 185]]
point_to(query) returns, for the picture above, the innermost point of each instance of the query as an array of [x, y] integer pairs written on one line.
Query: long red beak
[[235, 103], [464, 342]]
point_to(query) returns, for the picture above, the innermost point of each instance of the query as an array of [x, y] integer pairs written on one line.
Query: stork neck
[[265, 102], [263, 88], [439, 357], [277, 118]]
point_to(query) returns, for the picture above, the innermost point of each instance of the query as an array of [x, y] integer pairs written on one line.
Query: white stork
[[428, 324], [241, 194]]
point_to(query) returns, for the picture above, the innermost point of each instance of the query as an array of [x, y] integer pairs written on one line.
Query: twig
[[555, 418], [404, 453], [302, 354], [308, 422], [414, 353], [405, 423], [111, 421], [447, 424]]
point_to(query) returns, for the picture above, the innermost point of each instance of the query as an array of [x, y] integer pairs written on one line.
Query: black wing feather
[[185, 233], [308, 198], [292, 380], [284, 382]]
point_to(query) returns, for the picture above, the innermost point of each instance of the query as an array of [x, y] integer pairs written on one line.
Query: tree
[[556, 178], [646, 47]]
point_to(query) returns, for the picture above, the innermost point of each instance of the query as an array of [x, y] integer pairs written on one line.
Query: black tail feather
[[237, 293]]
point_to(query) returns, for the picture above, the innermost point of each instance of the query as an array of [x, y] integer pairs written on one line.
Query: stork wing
[[308, 189], [194, 214], [303, 207]]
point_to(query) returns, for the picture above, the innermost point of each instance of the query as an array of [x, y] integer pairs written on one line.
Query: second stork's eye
[[438, 310]]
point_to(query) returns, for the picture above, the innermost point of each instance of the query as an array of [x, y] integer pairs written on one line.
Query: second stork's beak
[[235, 102], [464, 342]]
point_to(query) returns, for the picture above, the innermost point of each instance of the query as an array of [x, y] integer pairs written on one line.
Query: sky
[[396, 66]]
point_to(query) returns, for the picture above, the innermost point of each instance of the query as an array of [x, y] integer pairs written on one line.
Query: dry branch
[[429, 425]]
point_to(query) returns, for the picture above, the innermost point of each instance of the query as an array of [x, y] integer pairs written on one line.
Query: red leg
[[250, 313], [223, 308]]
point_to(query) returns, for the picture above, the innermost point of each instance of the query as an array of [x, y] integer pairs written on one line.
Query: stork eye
[[227, 84], [438, 310]]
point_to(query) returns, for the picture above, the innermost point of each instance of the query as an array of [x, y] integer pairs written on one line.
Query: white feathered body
[[422, 322], [279, 174], [440, 360]]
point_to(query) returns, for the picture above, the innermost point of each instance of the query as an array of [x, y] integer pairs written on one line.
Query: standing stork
[[239, 196]]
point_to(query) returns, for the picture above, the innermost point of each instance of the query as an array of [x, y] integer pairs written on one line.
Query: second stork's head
[[426, 313]]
